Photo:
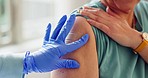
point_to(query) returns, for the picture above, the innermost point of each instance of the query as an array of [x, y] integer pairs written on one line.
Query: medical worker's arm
[[48, 57], [11, 65], [86, 55]]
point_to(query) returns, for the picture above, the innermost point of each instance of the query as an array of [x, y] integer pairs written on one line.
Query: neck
[[128, 16]]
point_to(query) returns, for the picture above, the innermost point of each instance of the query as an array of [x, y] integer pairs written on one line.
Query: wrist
[[29, 65], [137, 39], [143, 44]]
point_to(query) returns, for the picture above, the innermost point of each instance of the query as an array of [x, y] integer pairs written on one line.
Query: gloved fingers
[[59, 26], [47, 35], [66, 28], [75, 45], [65, 63]]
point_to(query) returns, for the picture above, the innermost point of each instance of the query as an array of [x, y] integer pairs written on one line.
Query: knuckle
[[95, 23], [89, 14], [96, 18]]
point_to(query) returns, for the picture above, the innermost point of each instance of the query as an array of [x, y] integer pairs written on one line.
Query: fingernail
[[82, 11], [79, 11]]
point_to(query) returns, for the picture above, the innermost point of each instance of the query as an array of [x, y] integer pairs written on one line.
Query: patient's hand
[[115, 26]]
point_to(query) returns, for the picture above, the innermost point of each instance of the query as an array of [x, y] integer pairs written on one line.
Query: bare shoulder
[[86, 55], [82, 26]]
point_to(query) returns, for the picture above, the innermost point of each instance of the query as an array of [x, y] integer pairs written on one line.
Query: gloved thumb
[[65, 63]]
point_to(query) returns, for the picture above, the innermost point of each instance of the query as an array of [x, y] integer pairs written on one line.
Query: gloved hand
[[48, 57]]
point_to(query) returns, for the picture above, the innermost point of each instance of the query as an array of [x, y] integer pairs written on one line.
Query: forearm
[[11, 65], [144, 54]]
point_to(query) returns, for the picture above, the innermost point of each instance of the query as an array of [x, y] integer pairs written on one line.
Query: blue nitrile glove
[[48, 57]]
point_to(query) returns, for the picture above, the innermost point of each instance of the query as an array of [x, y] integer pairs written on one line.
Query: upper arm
[[86, 55]]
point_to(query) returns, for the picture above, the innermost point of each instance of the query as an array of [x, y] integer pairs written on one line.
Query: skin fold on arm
[[86, 55]]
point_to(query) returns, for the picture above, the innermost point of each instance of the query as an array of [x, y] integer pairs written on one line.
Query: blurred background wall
[[23, 23]]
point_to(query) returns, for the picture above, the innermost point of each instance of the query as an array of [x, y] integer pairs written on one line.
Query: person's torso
[[115, 60]]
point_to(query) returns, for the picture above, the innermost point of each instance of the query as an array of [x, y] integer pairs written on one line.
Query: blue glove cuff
[[29, 64]]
